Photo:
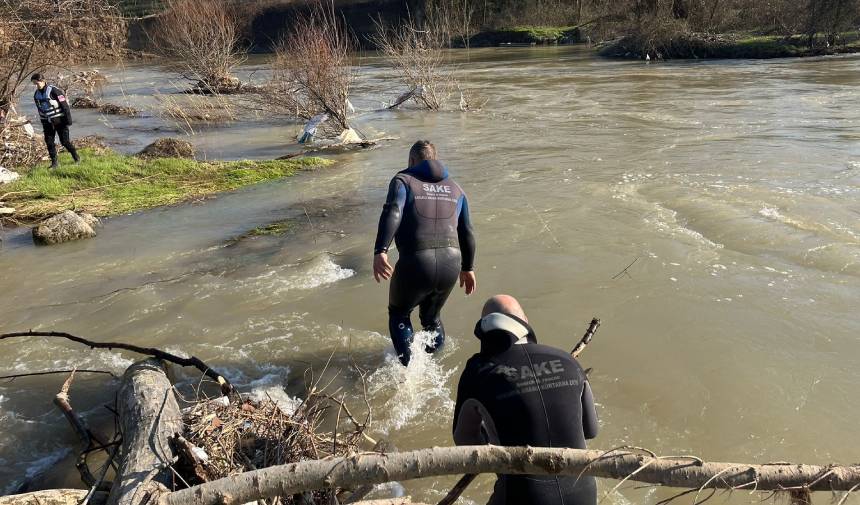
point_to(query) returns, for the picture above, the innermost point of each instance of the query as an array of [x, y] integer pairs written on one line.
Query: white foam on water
[[770, 212], [288, 404], [418, 391], [318, 272]]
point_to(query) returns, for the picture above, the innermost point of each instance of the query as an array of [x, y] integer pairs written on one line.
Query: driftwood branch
[[63, 402], [683, 472], [149, 415], [52, 372], [586, 339], [192, 361]]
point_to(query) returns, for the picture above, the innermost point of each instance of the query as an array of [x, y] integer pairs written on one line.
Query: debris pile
[[226, 437]]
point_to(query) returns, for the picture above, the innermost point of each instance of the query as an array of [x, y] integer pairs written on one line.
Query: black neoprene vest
[[531, 391], [429, 214]]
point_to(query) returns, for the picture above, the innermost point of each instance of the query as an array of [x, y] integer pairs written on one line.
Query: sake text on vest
[[436, 188]]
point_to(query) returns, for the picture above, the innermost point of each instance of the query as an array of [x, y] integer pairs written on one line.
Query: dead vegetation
[[20, 146], [312, 73], [203, 39], [189, 112], [167, 147], [225, 437], [416, 53]]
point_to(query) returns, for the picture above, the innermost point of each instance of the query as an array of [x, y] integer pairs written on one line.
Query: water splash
[[318, 272], [419, 390]]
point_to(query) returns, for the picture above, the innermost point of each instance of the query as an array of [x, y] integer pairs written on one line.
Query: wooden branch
[[193, 361], [149, 415], [61, 400], [586, 339], [685, 472], [52, 372]]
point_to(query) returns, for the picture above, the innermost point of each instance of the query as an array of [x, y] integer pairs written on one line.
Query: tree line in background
[[821, 21]]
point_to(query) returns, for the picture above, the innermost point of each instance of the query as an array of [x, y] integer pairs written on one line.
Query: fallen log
[[683, 472], [149, 415], [53, 497]]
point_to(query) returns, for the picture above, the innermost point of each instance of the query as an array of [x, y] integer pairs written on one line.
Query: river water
[[729, 188]]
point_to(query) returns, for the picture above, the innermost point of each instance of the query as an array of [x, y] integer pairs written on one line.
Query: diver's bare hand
[[468, 280], [381, 267]]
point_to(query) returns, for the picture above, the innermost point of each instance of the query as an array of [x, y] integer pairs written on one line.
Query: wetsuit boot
[[438, 331], [400, 329]]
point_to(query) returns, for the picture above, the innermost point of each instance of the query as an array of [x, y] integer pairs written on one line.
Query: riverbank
[[690, 45], [109, 183], [527, 35]]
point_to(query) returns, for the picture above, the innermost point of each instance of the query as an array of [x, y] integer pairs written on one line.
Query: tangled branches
[[312, 75], [416, 55], [203, 37]]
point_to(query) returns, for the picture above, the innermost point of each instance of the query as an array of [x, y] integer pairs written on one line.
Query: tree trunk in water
[[683, 472], [149, 416]]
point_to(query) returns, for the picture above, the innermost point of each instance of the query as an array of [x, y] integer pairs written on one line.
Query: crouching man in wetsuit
[[427, 215], [516, 392], [56, 116]]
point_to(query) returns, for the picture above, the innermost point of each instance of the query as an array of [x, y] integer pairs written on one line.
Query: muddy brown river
[[729, 188]]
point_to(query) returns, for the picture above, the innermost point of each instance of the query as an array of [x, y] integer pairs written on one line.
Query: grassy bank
[[538, 35], [729, 46], [111, 183]]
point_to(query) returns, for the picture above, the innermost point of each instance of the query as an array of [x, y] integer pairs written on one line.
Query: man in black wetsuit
[[56, 116], [516, 392], [427, 215]]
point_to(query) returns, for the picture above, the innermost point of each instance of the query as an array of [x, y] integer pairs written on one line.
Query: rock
[[168, 147], [84, 102], [65, 227]]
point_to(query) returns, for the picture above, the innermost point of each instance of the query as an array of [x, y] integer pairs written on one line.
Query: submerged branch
[[192, 361]]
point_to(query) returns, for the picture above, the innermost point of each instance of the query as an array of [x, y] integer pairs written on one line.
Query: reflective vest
[[48, 107]]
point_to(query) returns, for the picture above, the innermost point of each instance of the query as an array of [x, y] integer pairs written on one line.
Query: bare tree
[[203, 37], [417, 56], [312, 72]]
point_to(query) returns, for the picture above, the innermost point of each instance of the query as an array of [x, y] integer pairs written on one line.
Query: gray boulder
[[65, 227]]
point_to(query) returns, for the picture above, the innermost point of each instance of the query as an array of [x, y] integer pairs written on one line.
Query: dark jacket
[[524, 393], [53, 106]]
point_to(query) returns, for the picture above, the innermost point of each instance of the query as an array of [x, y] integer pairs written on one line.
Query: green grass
[[526, 35], [112, 183], [543, 33]]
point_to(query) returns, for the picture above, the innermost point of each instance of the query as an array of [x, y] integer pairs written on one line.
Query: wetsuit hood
[[498, 331], [428, 171]]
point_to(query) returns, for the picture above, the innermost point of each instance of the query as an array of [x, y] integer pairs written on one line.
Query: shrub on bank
[[673, 40]]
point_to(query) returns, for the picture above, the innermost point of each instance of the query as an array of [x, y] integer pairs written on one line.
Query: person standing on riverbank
[[56, 116], [544, 386], [427, 215]]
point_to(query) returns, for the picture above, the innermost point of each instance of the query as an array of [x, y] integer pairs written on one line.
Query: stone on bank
[[65, 227]]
